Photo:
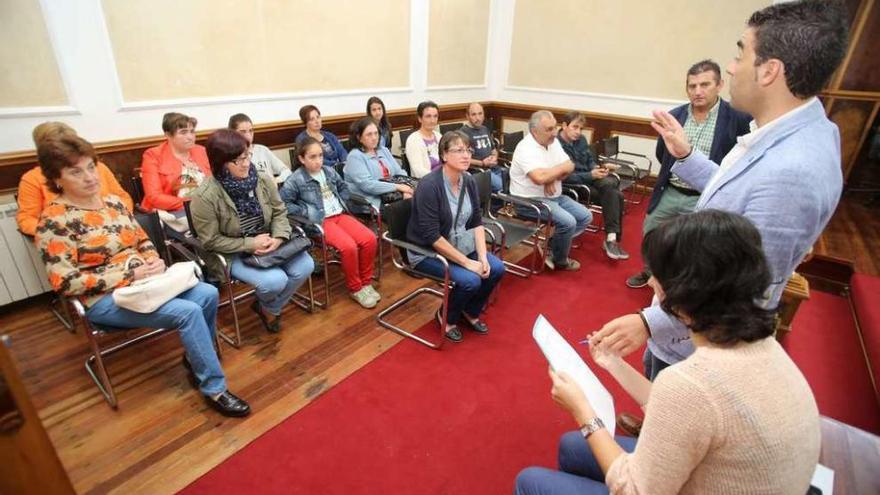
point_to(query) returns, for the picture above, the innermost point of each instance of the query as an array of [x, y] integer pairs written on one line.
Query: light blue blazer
[[788, 184]]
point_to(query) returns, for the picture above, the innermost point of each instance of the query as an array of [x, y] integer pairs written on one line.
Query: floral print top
[[85, 250]]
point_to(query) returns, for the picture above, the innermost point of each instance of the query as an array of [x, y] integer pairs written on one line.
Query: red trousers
[[357, 247]]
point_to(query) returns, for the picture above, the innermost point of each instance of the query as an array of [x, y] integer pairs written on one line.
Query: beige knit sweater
[[736, 420]]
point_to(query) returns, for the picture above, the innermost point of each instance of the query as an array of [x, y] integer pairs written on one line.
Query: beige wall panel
[[166, 49], [457, 41], [30, 75], [628, 47]]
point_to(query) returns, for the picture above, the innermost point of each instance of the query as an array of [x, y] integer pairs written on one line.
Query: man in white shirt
[[539, 164]]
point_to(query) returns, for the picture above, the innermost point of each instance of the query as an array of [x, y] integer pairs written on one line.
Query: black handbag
[[283, 254], [395, 196]]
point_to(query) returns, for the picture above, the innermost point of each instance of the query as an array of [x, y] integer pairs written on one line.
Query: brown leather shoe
[[629, 424]]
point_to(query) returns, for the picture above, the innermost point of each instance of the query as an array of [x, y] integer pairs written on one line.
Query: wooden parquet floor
[[163, 435], [854, 234]]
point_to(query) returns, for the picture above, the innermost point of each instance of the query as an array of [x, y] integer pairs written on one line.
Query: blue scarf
[[243, 192]]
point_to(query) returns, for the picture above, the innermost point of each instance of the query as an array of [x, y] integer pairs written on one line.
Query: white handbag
[[146, 295]]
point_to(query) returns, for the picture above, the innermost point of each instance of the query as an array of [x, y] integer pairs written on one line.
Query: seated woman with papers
[[736, 416]]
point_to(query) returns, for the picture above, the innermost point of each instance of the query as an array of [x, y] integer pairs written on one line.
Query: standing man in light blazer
[[784, 176]]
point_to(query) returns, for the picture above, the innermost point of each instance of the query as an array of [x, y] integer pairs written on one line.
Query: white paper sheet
[[823, 479], [562, 357]]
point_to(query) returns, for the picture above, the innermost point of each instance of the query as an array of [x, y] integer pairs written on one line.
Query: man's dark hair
[[712, 269], [357, 130], [224, 146], [809, 37], [574, 116], [705, 66], [237, 119]]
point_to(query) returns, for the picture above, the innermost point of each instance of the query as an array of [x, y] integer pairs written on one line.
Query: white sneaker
[[373, 292], [364, 298]]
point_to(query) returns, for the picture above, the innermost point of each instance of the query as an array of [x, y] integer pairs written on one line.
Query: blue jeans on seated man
[[571, 219], [579, 472], [471, 292], [275, 286], [193, 313]]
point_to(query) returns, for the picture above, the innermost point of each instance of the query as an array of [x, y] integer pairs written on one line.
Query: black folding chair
[[397, 215]]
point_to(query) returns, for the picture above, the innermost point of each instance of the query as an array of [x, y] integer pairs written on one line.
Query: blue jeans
[[471, 292], [193, 313], [275, 286], [571, 219], [579, 472], [497, 181]]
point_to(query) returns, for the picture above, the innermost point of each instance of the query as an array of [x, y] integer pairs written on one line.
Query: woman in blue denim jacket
[[368, 163], [318, 193]]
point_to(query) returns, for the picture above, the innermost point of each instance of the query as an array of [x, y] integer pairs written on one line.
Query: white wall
[[79, 36]]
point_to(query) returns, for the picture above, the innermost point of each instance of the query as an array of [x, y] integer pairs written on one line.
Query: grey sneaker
[[638, 280], [364, 298], [571, 266], [614, 251], [373, 292]]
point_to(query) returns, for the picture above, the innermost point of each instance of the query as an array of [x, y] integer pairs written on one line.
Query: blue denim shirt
[[301, 193]]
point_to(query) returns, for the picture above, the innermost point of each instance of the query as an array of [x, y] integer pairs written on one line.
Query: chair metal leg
[[101, 379], [380, 318], [234, 341], [63, 315]]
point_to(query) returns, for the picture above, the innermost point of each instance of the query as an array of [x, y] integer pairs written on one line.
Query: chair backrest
[[452, 126], [340, 169], [294, 160], [155, 231], [137, 188], [404, 135], [511, 139], [396, 215], [484, 186], [610, 146], [346, 143], [189, 219]]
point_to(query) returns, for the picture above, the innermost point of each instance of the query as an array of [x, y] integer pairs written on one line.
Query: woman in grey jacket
[[318, 193], [239, 211]]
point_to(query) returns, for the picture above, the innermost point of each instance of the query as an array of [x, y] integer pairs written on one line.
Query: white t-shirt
[[528, 156], [268, 162]]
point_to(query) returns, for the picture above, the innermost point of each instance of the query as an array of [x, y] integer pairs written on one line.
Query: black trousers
[[604, 192]]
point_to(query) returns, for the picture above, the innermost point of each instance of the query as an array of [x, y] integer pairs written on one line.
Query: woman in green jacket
[[238, 210]]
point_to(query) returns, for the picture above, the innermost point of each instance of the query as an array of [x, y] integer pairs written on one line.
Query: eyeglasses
[[245, 158], [461, 151]]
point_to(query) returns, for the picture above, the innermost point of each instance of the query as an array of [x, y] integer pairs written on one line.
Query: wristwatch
[[591, 426]]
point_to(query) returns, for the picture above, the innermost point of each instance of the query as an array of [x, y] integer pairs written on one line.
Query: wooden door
[[28, 462]]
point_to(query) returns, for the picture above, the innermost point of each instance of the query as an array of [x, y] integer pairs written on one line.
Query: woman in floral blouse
[[86, 240]]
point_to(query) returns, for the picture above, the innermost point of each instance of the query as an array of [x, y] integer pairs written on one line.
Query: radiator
[[22, 273]]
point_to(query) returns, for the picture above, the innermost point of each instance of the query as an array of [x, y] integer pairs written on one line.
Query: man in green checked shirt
[[712, 125]]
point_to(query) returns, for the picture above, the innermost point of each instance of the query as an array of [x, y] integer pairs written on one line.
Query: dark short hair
[[305, 111], [705, 66], [237, 119], [55, 153], [357, 130], [809, 37], [384, 123], [224, 146], [173, 121], [301, 148], [420, 110], [713, 271], [450, 138], [574, 116]]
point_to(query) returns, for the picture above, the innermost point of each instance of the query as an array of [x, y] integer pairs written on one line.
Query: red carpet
[[468, 418]]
